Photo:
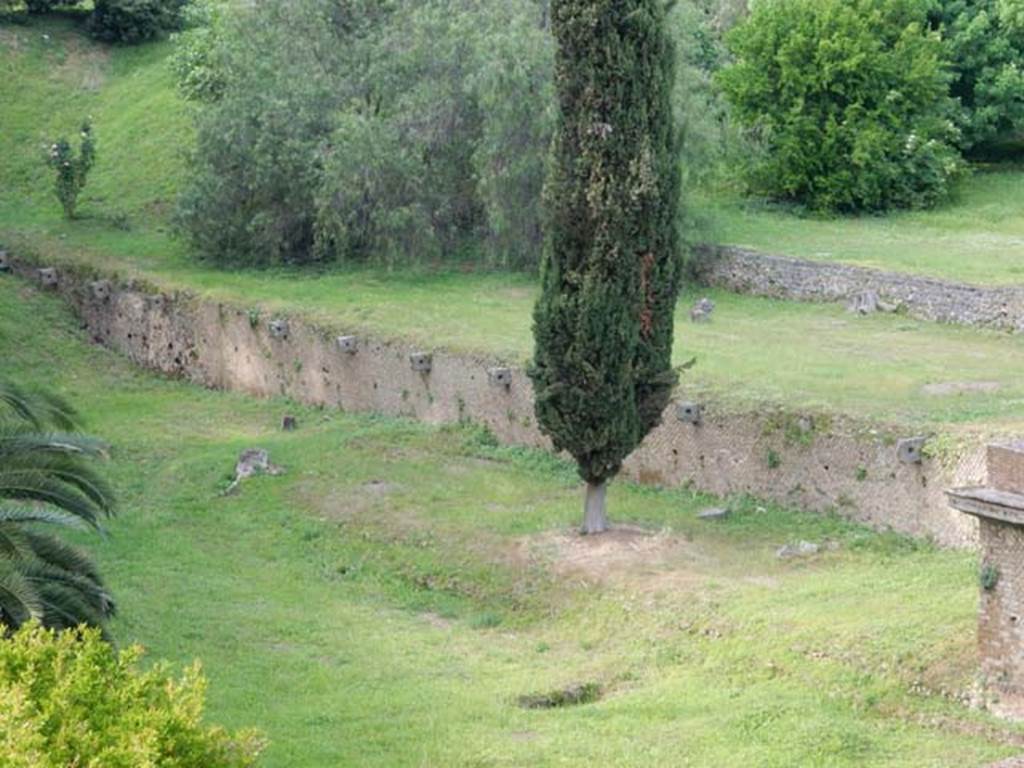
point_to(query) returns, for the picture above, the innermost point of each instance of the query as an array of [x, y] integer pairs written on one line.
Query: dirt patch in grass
[[348, 504], [622, 554], [10, 41], [961, 388], [436, 620], [83, 66]]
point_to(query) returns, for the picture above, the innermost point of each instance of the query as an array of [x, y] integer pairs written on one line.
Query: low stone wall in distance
[[746, 271]]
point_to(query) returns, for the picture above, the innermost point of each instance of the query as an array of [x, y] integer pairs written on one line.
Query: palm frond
[[94, 596], [18, 440], [11, 513], [46, 479], [49, 549], [29, 487], [19, 600], [38, 409], [69, 471], [14, 543], [64, 607]]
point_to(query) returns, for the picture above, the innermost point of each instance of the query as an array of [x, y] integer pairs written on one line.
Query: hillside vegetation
[[388, 599], [755, 350]]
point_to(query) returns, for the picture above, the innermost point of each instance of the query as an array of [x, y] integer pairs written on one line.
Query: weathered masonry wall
[[818, 464], [746, 271]]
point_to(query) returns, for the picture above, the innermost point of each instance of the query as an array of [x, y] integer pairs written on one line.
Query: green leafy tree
[[847, 101], [72, 170], [46, 480], [71, 699], [985, 42], [391, 132], [603, 325]]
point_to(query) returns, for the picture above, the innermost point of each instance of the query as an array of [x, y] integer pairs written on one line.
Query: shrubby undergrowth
[[387, 132], [112, 21], [69, 699]]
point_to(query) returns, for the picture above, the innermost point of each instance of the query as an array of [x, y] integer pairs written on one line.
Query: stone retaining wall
[[811, 462], [782, 277]]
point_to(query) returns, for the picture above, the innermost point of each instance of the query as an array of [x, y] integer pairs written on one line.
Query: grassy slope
[[394, 625], [976, 238], [801, 355]]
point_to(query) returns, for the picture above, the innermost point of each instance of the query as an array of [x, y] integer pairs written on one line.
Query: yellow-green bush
[[70, 699]]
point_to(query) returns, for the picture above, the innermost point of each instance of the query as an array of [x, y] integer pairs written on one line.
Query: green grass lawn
[[756, 350], [978, 237], [387, 600]]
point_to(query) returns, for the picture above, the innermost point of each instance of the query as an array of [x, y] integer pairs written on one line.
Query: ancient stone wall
[[746, 271], [811, 462]]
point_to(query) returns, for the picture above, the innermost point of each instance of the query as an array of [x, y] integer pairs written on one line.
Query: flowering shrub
[[72, 169], [70, 699]]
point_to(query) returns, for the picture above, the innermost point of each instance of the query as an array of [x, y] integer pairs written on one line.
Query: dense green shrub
[[70, 699], [408, 130], [133, 21], [985, 40], [196, 61], [45, 6], [71, 169], [847, 101]]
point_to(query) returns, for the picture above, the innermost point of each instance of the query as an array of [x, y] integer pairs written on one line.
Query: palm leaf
[[38, 408], [46, 479], [50, 550], [19, 600], [17, 441], [73, 476], [10, 513]]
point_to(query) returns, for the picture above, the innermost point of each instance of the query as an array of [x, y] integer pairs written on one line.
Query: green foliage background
[[846, 101], [389, 132]]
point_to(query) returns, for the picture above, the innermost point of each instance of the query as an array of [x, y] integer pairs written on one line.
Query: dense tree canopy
[[985, 42], [398, 131]]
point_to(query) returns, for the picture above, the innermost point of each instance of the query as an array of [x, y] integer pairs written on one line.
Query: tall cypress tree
[[602, 370]]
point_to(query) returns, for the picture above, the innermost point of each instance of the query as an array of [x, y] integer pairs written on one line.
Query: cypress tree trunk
[[595, 511], [610, 274]]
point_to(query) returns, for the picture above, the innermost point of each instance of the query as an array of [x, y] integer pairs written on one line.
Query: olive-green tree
[[610, 274]]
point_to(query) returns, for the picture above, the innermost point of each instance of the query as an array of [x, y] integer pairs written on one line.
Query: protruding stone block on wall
[[47, 277], [500, 377], [999, 507], [421, 362], [689, 413], [278, 329], [348, 344], [910, 450], [100, 290]]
